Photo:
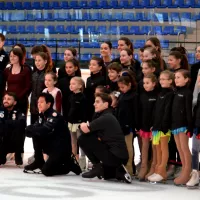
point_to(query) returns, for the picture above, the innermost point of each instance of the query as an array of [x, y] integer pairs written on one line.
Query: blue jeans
[[195, 152]]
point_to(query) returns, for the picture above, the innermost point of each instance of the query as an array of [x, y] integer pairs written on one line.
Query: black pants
[[58, 163], [12, 142], [174, 157], [98, 151]]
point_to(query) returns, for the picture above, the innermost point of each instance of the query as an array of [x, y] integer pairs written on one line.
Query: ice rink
[[17, 185]]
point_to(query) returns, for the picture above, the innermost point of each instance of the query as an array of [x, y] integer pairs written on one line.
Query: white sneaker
[[152, 175], [156, 178], [194, 180]]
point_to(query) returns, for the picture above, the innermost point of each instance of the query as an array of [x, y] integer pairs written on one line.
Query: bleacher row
[[105, 4], [96, 15], [81, 29]]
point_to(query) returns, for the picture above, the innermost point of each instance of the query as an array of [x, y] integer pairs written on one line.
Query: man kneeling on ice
[[103, 142], [51, 136]]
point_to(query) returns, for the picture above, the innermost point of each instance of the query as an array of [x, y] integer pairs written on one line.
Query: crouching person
[[51, 135], [103, 142], [12, 129]]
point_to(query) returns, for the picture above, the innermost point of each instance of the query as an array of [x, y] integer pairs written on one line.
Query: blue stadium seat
[[1, 16], [64, 5], [91, 29], [51, 42], [191, 58], [114, 4], [113, 30], [74, 5], [22, 41], [93, 4], [12, 29], [85, 57], [176, 4], [40, 29], [30, 29], [96, 16], [124, 4], [86, 16], [30, 16], [54, 56], [124, 30], [84, 4], [61, 15], [175, 17], [154, 4], [27, 5], [161, 17], [197, 4], [10, 42], [185, 16], [128, 16], [165, 4], [60, 29], [18, 5], [36, 5], [31, 42], [157, 30], [195, 16], [2, 6], [135, 30], [21, 29], [9, 5], [101, 29], [3, 28], [38, 15], [55, 5], [48, 16], [180, 29], [70, 29], [106, 17], [17, 16], [80, 29], [62, 42], [168, 30], [146, 30], [104, 4], [45, 5], [7, 16], [188, 3], [140, 16], [139, 44], [117, 16], [51, 29], [164, 44]]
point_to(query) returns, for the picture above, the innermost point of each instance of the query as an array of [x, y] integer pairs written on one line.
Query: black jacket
[[77, 108], [52, 129], [37, 88], [162, 116], [63, 85], [92, 82], [197, 113], [182, 109], [112, 86], [107, 128], [11, 120], [147, 107], [194, 72], [127, 111]]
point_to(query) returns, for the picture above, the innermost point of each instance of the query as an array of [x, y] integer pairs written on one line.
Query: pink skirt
[[144, 134]]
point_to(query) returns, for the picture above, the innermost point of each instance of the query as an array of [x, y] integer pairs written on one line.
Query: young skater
[[127, 113], [194, 180], [161, 128], [50, 82], [147, 105], [106, 52], [182, 123], [77, 115], [97, 77], [71, 68], [114, 70]]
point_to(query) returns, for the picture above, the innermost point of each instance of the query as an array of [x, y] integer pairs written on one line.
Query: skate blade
[[36, 171], [180, 185], [158, 182], [193, 187]]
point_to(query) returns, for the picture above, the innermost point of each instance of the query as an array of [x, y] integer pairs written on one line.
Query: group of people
[[122, 99]]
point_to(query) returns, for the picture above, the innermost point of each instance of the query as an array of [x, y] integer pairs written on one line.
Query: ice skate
[[142, 173], [157, 178], [18, 159], [75, 166], [193, 183], [97, 171], [123, 175], [170, 172], [34, 168]]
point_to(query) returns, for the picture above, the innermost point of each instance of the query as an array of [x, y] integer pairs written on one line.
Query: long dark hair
[[18, 52], [100, 63], [75, 63], [127, 42]]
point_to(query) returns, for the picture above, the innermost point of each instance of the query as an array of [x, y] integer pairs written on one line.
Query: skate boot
[[97, 171], [31, 159], [157, 178], [142, 173], [75, 165], [123, 175], [170, 172], [18, 159], [177, 172], [193, 183], [34, 168], [82, 163]]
